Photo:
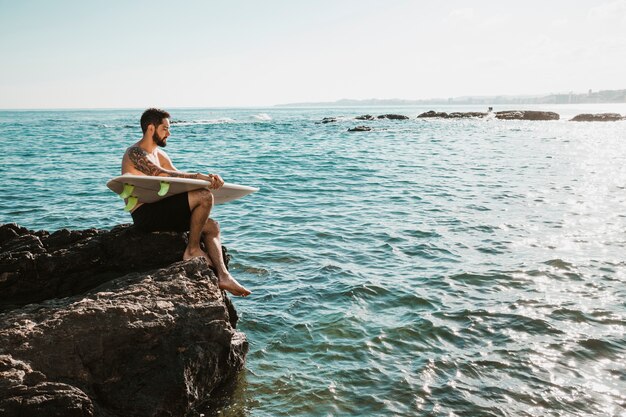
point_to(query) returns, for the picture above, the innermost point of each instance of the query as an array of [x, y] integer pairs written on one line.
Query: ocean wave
[[262, 116], [218, 121]]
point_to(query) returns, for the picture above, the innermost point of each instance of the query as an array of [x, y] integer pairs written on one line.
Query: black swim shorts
[[171, 214]]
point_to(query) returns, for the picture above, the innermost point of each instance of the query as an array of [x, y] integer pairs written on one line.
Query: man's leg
[[213, 243], [200, 204]]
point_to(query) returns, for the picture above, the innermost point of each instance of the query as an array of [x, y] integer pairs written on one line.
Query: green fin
[[165, 187], [128, 190], [132, 202]]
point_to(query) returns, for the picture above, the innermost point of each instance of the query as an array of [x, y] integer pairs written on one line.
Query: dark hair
[[154, 117]]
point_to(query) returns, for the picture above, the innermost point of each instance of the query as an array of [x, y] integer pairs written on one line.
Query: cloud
[[460, 15], [614, 10]]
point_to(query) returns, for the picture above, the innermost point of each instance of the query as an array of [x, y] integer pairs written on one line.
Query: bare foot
[[230, 284], [195, 253]]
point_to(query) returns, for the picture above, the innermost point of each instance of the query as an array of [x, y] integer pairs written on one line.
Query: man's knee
[[211, 228], [203, 198]]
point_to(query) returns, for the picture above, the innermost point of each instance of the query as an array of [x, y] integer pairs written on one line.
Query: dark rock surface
[[504, 115], [110, 335], [365, 117], [393, 116], [599, 117], [36, 266], [526, 115], [466, 115], [454, 115], [360, 129], [432, 113]]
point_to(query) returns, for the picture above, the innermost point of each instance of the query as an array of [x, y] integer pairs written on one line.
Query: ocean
[[466, 267]]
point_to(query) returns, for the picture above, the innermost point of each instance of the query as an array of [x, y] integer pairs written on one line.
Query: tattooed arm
[[140, 162]]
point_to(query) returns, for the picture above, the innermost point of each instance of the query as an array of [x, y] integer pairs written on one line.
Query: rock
[[599, 117], [454, 115], [36, 266], [432, 113], [393, 117], [360, 129], [329, 120], [24, 392], [466, 115], [526, 115], [146, 343], [365, 117]]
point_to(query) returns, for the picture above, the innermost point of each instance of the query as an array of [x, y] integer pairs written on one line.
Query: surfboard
[[148, 189]]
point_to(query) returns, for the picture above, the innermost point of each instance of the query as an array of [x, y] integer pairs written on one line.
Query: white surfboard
[[148, 189]]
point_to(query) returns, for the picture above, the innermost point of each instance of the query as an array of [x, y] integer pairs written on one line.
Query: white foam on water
[[221, 120]]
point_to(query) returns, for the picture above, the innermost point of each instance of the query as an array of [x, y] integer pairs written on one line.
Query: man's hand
[[215, 180]]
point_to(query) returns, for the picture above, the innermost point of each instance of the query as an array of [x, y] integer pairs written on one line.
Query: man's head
[[155, 122]]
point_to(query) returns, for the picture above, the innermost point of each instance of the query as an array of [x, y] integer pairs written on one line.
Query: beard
[[158, 140]]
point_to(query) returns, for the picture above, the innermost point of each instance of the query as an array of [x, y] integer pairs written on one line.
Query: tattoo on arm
[[139, 158]]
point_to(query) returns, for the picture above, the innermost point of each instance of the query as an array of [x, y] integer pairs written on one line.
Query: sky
[[236, 53]]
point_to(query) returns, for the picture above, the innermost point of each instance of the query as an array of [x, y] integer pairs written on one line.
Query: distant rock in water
[[599, 117], [360, 129], [466, 115], [454, 115], [505, 115], [365, 117], [393, 116], [329, 120], [526, 115], [432, 113], [107, 323]]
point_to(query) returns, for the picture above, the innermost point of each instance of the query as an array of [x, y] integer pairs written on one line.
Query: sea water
[[469, 267]]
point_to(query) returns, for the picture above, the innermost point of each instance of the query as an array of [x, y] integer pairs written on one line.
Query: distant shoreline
[[591, 97]]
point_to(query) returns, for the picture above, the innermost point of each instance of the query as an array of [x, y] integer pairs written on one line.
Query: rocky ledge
[[367, 117], [600, 117], [393, 117], [108, 323], [360, 129], [527, 115], [454, 115], [504, 115]]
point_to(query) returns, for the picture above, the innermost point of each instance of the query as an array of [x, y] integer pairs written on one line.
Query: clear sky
[[114, 53]]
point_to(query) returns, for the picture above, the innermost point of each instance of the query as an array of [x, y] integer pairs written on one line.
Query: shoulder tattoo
[[140, 160]]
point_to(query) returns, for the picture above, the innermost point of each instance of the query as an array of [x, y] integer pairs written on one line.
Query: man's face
[[161, 133]]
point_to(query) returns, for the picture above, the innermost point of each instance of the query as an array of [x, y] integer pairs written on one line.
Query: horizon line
[[323, 103]]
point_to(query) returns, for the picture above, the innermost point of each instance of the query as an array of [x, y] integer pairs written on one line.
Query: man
[[182, 212]]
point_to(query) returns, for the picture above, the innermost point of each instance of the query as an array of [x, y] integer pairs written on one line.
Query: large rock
[[393, 116], [526, 115], [453, 115], [599, 117], [25, 392], [156, 342], [36, 266], [360, 129], [432, 113], [466, 115]]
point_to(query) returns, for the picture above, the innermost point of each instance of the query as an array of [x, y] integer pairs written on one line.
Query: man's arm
[[139, 158]]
